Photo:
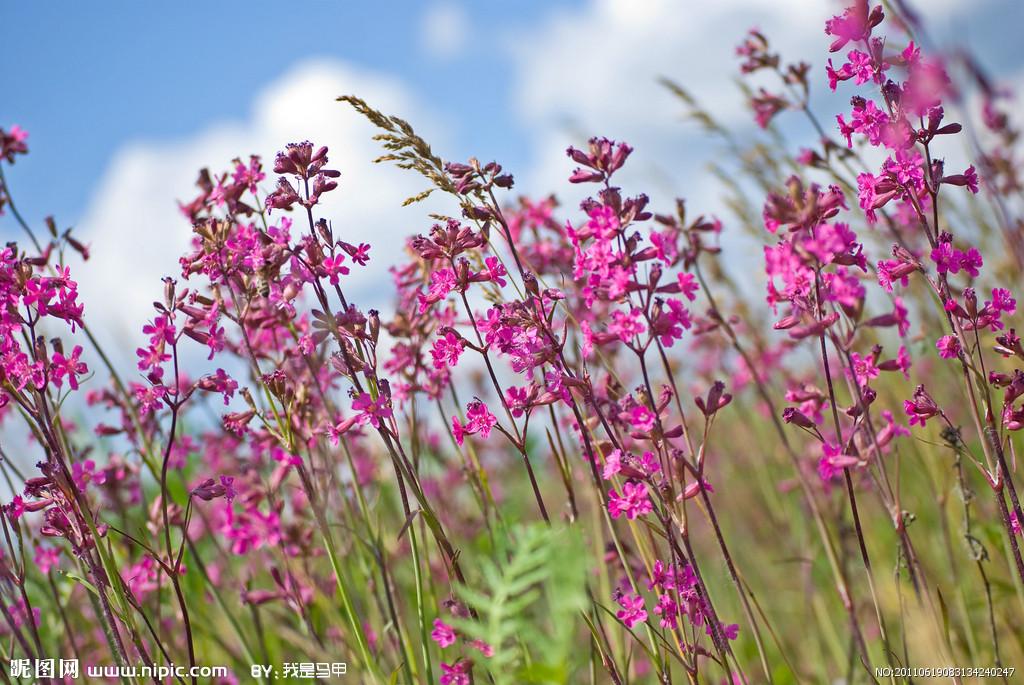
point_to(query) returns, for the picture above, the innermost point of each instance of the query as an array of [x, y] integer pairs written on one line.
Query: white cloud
[[443, 30], [137, 232], [594, 71], [587, 71]]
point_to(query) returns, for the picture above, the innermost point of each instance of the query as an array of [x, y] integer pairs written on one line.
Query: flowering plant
[[579, 448]]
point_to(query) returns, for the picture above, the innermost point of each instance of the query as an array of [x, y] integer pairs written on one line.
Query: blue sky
[[85, 81], [124, 105]]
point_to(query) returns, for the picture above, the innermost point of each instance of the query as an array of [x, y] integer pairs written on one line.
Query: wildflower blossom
[[632, 611], [633, 502], [443, 634]]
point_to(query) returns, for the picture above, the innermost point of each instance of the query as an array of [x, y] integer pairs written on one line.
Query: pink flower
[[219, 382], [250, 175], [458, 431], [766, 105], [900, 313], [149, 398], [479, 419], [612, 464], [333, 267], [921, 408], [863, 68], [972, 262], [864, 368], [649, 464], [517, 400], [442, 282], [371, 411], [443, 634], [948, 346], [868, 120], [634, 501], [891, 271], [210, 489], [667, 610], [12, 143], [360, 254], [71, 367], [971, 177], [831, 465], [1003, 301], [688, 285], [950, 260], [483, 648], [903, 361], [455, 674], [626, 326], [853, 25], [947, 259], [46, 558], [495, 271], [447, 350], [632, 611], [968, 179], [16, 508], [642, 418]]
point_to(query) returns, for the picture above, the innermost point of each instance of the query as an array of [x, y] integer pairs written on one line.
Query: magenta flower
[[46, 558], [642, 419], [831, 465], [495, 271], [334, 268], [210, 489], [903, 361], [249, 175], [688, 285], [443, 634], [634, 501], [971, 179], [455, 674], [458, 431], [612, 464], [632, 611], [863, 67], [948, 346], [968, 179], [667, 610], [627, 325], [442, 282], [71, 367], [447, 350], [360, 254], [371, 411], [16, 508], [1003, 301], [219, 382], [518, 400], [479, 419], [853, 25], [12, 142], [864, 368], [921, 408], [972, 262], [150, 398]]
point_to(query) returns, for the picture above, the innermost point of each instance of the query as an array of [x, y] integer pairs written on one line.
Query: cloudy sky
[[124, 106]]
